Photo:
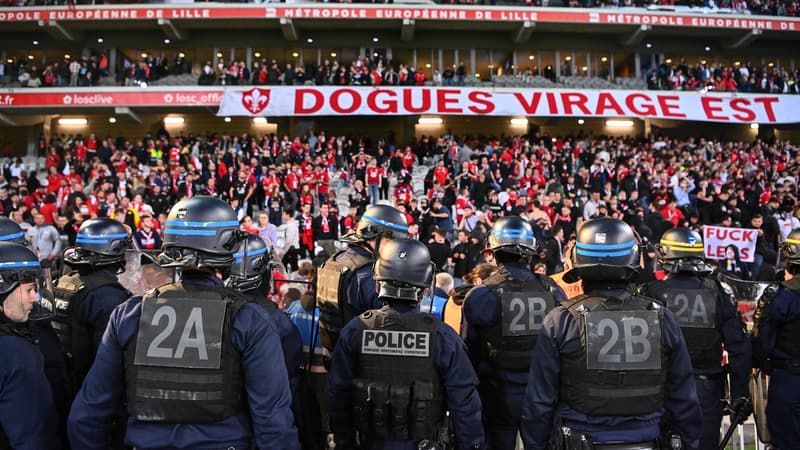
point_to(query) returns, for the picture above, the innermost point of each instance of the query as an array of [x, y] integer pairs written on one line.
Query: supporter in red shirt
[[408, 159], [323, 180], [440, 173], [306, 232], [672, 214]]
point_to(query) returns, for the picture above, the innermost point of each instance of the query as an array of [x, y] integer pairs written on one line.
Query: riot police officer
[[777, 350], [345, 287], [708, 318], [86, 297], [610, 366], [27, 412], [10, 231], [395, 370], [504, 317], [191, 357], [253, 278]]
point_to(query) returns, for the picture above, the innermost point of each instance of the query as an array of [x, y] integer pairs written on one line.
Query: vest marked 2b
[[620, 369]]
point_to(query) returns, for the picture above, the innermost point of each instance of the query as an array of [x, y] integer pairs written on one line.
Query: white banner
[[716, 239], [403, 101]]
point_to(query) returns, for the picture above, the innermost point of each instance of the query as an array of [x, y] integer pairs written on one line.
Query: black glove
[[741, 408]]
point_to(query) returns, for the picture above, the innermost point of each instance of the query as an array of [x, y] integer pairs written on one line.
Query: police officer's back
[[86, 297], [395, 371], [345, 287], [200, 365], [253, 279], [27, 413], [777, 351], [610, 366], [504, 316], [708, 318]]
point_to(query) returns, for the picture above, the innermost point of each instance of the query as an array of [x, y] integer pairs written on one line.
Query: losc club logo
[[67, 99], [255, 100]]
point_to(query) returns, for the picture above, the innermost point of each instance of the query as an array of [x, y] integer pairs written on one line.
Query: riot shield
[[749, 298], [142, 273], [746, 294]]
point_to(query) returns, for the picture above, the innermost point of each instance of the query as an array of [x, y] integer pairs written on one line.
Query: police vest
[[620, 369], [76, 336], [333, 278], [182, 367], [695, 310], [398, 391], [787, 337], [523, 306]]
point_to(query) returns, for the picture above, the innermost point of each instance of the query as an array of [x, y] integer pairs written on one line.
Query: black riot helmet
[[681, 250], [606, 250], [201, 232], [379, 221], [19, 264], [403, 268], [100, 243], [249, 276], [790, 248], [512, 234], [10, 231]]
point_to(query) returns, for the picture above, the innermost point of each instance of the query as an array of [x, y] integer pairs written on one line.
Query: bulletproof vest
[[182, 367], [398, 391], [787, 337], [333, 277], [76, 336], [523, 306], [695, 310], [621, 367]]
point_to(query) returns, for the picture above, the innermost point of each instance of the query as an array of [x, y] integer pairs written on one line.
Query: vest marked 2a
[[182, 367], [695, 310]]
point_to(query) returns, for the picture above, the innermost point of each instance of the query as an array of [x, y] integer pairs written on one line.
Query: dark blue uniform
[[501, 391], [55, 369], [27, 414], [291, 342], [542, 409], [452, 364], [268, 424], [783, 401], [709, 379], [292, 346], [97, 307]]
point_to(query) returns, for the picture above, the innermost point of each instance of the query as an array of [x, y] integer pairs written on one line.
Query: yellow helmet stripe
[[681, 244], [793, 241]]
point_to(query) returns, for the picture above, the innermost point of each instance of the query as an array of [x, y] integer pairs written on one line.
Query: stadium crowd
[[285, 189], [745, 77], [88, 71]]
